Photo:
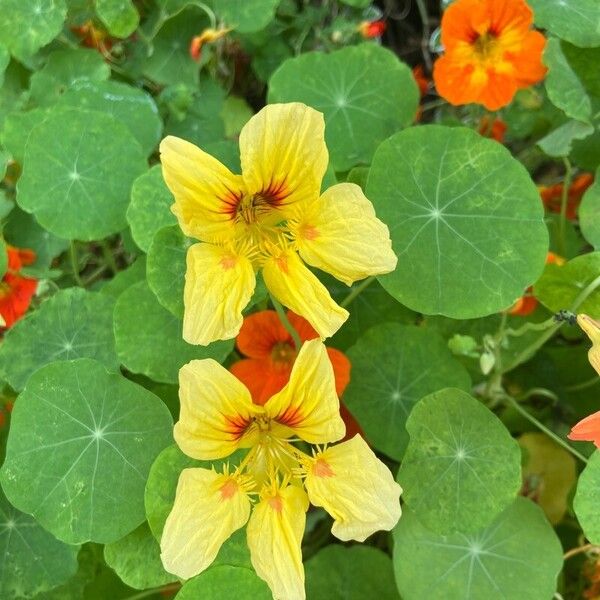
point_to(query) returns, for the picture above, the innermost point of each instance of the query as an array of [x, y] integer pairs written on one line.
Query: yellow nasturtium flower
[[592, 328], [272, 217], [271, 487]]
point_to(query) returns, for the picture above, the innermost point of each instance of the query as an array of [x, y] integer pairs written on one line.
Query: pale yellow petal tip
[[590, 326]]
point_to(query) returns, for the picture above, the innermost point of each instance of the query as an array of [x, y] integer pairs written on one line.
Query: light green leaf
[[167, 266], [587, 498], [17, 129], [586, 152], [516, 556], [125, 279], [72, 324], [589, 213], [77, 173], [223, 582], [3, 258], [133, 107], [136, 560], [462, 468], [465, 219], [26, 26], [4, 60], [577, 21], [235, 113], [365, 93], [558, 287], [32, 560], [357, 572], [246, 16], [393, 367], [150, 207], [357, 3], [81, 443], [149, 338], [120, 16], [559, 142], [64, 69]]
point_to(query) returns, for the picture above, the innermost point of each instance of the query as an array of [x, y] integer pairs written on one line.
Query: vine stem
[[357, 291], [563, 207], [108, 257], [579, 550], [286, 323], [75, 263], [543, 428]]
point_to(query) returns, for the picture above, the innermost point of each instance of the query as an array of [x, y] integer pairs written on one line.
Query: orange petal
[[261, 378], [587, 430], [259, 333], [305, 330], [529, 61], [341, 369]]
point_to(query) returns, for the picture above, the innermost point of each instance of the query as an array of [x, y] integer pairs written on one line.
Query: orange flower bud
[[206, 37], [372, 29]]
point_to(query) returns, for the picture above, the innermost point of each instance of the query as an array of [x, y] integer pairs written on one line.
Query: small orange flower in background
[[552, 194], [527, 303], [421, 79], [372, 29], [93, 37], [206, 37], [271, 353], [494, 129], [16, 290], [490, 52]]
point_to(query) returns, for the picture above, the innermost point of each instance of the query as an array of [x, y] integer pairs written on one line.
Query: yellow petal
[[592, 329], [274, 536], [340, 234], [215, 417], [308, 405], [208, 508], [355, 488], [300, 290], [284, 156], [219, 283], [206, 192]]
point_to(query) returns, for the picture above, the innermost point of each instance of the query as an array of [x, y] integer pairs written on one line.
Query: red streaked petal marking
[[291, 417], [236, 426]]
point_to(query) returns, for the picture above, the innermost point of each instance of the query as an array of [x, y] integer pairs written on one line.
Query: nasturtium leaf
[[13, 94], [202, 124], [517, 556], [4, 60], [393, 367], [133, 107], [365, 93], [64, 69], [77, 173], [589, 214], [149, 338], [136, 559], [357, 3], [120, 16], [587, 498], [3, 257], [166, 267], [81, 443], [223, 582], [577, 21], [236, 112], [461, 468], [586, 152], [17, 129], [358, 572], [559, 143], [246, 16], [559, 287], [124, 279], [4, 160], [150, 207], [71, 324], [32, 560], [465, 219], [26, 26]]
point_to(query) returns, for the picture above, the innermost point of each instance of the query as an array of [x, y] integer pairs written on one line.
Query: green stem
[[529, 326], [576, 387], [543, 428], [562, 243], [172, 587], [286, 323], [426, 34], [75, 263], [108, 257], [357, 291]]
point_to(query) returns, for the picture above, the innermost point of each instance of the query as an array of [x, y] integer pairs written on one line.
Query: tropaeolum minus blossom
[[267, 218], [273, 484]]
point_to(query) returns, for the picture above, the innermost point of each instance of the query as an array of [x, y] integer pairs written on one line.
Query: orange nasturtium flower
[[271, 487], [206, 37], [16, 290], [372, 29], [495, 129], [552, 194], [490, 52], [267, 218]]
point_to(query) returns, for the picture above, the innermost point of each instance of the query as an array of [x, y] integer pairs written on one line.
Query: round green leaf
[[149, 338], [559, 287], [17, 129], [3, 257], [136, 559], [393, 367], [26, 26], [125, 279], [350, 573], [223, 582], [32, 560], [559, 142], [589, 214], [246, 16], [120, 16], [466, 221], [461, 467], [77, 174], [149, 209], [4, 60], [80, 446], [133, 107], [364, 92], [516, 556], [167, 266], [587, 498], [71, 324], [577, 21]]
